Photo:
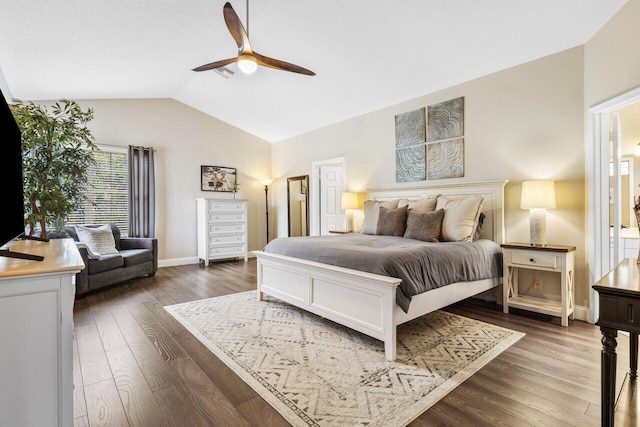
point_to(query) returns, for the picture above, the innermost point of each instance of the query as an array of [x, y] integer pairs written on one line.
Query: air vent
[[224, 72]]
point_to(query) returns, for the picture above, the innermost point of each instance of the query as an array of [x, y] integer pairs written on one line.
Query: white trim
[[598, 193], [580, 312]]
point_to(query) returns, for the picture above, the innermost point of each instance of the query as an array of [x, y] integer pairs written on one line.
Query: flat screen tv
[[12, 225]]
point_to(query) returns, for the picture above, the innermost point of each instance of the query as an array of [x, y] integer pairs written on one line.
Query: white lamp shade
[[538, 194], [350, 200], [266, 181]]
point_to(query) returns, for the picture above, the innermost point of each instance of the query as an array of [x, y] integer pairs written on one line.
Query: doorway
[[325, 212], [605, 187]]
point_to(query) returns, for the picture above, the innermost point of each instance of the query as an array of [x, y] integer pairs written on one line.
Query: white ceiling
[[366, 54]]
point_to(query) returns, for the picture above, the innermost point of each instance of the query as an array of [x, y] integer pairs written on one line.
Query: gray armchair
[[136, 257]]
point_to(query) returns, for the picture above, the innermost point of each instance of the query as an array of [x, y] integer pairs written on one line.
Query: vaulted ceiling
[[366, 54]]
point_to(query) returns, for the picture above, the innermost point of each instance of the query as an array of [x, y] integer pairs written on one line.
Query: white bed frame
[[365, 301]]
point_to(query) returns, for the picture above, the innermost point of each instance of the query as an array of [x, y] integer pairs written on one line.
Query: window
[[106, 191], [624, 168]]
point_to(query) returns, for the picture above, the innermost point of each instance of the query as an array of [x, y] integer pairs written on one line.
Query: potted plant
[[234, 187], [56, 155]]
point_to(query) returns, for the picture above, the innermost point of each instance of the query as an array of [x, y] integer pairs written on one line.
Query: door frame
[[314, 202], [598, 230]]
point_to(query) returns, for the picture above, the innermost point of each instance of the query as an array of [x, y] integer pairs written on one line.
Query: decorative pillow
[[392, 222], [371, 213], [99, 240], [424, 226], [481, 218], [461, 217], [422, 206]]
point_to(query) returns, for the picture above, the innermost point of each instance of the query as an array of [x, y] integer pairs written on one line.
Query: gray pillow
[[371, 212], [392, 222], [424, 226]]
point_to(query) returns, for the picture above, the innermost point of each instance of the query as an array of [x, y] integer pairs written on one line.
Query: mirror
[[298, 205]]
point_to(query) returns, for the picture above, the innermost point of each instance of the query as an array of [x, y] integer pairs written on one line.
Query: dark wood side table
[[619, 301]]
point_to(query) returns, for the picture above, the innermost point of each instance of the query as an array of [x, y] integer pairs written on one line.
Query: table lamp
[[538, 196], [351, 201]]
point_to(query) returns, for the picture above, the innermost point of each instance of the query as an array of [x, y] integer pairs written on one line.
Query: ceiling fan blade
[[281, 65], [216, 64], [236, 29]]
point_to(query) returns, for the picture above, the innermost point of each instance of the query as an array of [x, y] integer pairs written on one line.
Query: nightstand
[[554, 258]]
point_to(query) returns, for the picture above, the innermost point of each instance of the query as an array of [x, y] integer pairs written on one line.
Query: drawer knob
[[532, 260]]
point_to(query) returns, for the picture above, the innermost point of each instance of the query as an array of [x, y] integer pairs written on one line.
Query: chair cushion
[[136, 256], [105, 263]]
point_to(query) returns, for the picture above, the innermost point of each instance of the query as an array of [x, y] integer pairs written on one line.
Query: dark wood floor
[[135, 365]]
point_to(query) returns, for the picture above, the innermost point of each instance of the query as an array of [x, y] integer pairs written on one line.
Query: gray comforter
[[421, 266]]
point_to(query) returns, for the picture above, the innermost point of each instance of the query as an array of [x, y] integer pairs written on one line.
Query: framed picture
[[217, 178]]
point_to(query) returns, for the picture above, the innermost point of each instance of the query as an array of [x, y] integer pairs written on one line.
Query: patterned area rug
[[317, 373]]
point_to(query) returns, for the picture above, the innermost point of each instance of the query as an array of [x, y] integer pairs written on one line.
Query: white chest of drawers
[[36, 332], [222, 229]]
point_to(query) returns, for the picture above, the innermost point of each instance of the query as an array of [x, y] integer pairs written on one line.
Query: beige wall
[[522, 123], [611, 60], [184, 139]]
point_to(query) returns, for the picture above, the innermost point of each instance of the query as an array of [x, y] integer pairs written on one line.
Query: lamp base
[[538, 226]]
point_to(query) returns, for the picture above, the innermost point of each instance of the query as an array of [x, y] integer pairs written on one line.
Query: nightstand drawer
[[530, 258]]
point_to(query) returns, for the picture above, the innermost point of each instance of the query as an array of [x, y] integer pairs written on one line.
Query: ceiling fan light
[[247, 64]]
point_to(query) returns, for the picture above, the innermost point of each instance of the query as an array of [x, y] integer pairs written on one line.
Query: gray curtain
[[142, 194]]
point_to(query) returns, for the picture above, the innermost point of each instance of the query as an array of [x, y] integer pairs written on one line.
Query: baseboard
[[580, 312], [185, 261], [177, 261]]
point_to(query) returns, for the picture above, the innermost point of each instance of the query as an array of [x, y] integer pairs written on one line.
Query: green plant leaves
[[56, 152]]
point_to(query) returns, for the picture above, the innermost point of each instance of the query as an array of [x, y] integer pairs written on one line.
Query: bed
[[365, 301]]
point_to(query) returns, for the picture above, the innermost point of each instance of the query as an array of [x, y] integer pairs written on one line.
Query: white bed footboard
[[358, 300], [364, 301]]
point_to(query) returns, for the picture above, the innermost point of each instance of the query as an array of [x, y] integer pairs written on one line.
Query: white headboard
[[493, 207]]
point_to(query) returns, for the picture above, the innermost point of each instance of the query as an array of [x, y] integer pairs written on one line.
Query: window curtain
[[141, 194]]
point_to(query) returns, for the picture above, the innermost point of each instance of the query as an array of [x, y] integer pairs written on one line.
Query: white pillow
[[420, 206], [371, 213], [99, 240], [461, 217]]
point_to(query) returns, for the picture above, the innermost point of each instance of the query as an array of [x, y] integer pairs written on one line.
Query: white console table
[[36, 332]]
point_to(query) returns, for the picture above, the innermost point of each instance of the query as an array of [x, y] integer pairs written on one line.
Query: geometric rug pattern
[[318, 373]]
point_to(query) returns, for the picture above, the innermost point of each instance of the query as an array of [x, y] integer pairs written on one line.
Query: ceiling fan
[[248, 59]]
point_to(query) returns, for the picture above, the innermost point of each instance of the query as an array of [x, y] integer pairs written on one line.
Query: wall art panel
[[445, 159], [410, 164], [445, 120], [410, 128]]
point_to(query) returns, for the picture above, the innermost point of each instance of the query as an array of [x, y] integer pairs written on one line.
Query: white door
[[332, 217]]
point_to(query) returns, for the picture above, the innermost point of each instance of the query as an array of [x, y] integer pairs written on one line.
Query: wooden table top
[[623, 279], [550, 248], [59, 255]]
